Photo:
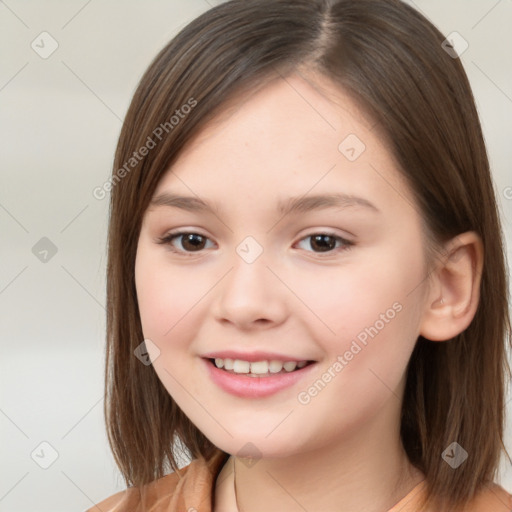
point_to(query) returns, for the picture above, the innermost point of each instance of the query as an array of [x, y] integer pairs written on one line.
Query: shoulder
[[491, 498], [130, 499], [190, 487]]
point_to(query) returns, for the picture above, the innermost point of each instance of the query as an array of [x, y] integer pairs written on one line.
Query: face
[[285, 233]]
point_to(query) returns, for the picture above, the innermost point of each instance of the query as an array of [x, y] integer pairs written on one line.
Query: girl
[[306, 282]]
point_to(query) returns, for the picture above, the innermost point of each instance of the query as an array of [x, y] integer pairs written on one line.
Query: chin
[[256, 447]]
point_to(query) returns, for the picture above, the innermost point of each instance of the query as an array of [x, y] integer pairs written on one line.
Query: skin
[[341, 451]]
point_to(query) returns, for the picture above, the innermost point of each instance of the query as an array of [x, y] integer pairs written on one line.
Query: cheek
[[169, 300], [166, 296], [349, 298], [367, 312], [376, 326]]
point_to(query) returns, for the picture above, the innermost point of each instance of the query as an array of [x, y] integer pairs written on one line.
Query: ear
[[454, 290]]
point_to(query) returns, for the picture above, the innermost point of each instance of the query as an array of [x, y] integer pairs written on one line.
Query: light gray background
[[60, 119]]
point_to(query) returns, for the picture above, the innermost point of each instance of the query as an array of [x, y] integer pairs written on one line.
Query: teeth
[[290, 366], [258, 367], [275, 366], [241, 366]]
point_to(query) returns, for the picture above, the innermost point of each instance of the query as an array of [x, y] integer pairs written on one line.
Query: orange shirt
[[191, 491]]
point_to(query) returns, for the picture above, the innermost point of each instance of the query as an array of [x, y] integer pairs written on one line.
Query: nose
[[250, 296]]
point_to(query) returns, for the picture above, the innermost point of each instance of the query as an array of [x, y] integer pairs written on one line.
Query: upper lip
[[257, 355]]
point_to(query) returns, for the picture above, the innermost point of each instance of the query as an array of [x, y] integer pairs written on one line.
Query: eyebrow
[[292, 205]]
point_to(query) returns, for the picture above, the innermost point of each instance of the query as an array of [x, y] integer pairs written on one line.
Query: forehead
[[311, 104], [294, 135]]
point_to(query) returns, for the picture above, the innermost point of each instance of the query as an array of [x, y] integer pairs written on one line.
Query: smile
[[256, 379], [258, 368]]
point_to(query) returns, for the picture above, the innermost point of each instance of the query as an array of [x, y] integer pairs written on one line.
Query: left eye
[[324, 242]]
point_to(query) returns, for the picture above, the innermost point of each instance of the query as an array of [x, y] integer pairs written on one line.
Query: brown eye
[[185, 242], [193, 242], [324, 242]]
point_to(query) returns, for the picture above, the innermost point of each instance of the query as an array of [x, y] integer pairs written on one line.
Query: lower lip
[[255, 387]]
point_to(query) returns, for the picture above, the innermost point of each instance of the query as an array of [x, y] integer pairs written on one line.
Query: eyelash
[[167, 239]]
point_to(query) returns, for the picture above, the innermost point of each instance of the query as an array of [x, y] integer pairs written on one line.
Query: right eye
[[188, 241]]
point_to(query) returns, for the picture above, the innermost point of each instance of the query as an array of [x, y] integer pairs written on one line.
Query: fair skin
[[341, 450]]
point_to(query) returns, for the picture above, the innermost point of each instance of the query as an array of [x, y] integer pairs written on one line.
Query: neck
[[368, 472]]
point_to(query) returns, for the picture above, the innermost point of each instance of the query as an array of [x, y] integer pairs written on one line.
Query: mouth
[[264, 368], [257, 379]]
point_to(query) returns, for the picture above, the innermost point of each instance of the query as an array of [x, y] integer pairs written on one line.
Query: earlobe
[[454, 292]]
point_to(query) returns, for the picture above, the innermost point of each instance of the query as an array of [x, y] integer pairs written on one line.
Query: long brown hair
[[390, 60]]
